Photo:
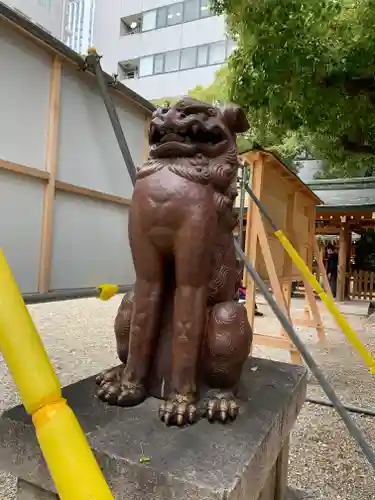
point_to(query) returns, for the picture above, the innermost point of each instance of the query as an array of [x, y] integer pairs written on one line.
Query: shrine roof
[[336, 194]]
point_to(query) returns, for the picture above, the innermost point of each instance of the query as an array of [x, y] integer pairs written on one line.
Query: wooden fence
[[361, 285]]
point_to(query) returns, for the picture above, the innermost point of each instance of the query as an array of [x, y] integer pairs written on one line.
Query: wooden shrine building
[[348, 209]]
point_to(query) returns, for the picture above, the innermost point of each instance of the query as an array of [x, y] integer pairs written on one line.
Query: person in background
[[242, 296], [332, 268]]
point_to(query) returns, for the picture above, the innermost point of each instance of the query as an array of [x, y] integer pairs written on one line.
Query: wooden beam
[[51, 166], [343, 250], [322, 269], [251, 237], [261, 339], [275, 284], [17, 168], [289, 222], [91, 193]]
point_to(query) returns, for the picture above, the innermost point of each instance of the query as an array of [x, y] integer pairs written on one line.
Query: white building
[[160, 48], [78, 24], [68, 20]]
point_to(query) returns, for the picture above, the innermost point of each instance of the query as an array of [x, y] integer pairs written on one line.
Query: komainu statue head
[[192, 127]]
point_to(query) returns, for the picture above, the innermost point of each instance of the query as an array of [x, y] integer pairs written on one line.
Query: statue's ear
[[236, 119]]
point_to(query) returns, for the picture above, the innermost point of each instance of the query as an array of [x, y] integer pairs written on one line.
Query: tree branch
[[352, 85], [357, 147]]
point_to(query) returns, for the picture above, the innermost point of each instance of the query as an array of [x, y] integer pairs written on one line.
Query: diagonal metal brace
[[93, 62]]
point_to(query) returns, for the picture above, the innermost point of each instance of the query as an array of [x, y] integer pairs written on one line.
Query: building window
[[191, 10], [168, 15], [128, 70], [172, 61], [188, 58], [177, 60], [159, 64], [146, 66], [217, 53], [149, 20], [161, 18], [202, 55], [174, 15], [205, 8]]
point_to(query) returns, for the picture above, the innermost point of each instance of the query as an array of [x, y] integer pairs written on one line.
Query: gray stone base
[[243, 460], [27, 491]]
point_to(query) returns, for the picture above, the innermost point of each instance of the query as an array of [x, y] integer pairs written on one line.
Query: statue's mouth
[[187, 139]]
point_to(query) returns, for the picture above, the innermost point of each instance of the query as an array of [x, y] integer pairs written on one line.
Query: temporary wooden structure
[[64, 181], [291, 205]]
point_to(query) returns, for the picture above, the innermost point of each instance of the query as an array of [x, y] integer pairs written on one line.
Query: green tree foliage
[[304, 70]]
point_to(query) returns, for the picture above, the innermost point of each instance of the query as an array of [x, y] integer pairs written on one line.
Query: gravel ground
[[323, 458]]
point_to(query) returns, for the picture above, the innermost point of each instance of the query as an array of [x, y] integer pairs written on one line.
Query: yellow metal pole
[[70, 460], [329, 303]]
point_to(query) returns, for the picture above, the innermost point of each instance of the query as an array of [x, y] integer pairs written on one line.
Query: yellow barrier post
[[70, 460]]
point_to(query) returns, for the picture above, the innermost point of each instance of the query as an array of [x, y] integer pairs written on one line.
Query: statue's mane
[[220, 173]]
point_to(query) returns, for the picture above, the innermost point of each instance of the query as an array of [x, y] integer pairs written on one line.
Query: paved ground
[[324, 460]]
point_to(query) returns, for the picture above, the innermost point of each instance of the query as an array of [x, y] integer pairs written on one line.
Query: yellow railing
[[72, 465]]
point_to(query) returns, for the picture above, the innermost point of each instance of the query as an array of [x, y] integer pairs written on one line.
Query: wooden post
[[251, 243], [322, 269], [343, 249], [348, 260], [288, 264], [51, 167]]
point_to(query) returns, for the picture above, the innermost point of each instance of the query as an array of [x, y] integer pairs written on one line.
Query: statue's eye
[[211, 112]]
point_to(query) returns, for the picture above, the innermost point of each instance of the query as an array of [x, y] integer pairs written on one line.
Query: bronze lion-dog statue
[[182, 331]]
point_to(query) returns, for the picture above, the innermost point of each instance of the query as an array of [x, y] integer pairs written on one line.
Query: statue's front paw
[[178, 410], [221, 407], [109, 391]]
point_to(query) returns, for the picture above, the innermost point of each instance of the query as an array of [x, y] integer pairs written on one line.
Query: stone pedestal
[[244, 460]]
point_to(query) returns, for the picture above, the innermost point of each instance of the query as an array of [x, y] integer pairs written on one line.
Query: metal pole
[[353, 409], [353, 429], [93, 61], [61, 295]]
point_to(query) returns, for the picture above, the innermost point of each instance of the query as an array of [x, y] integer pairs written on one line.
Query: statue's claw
[[222, 407], [178, 410]]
